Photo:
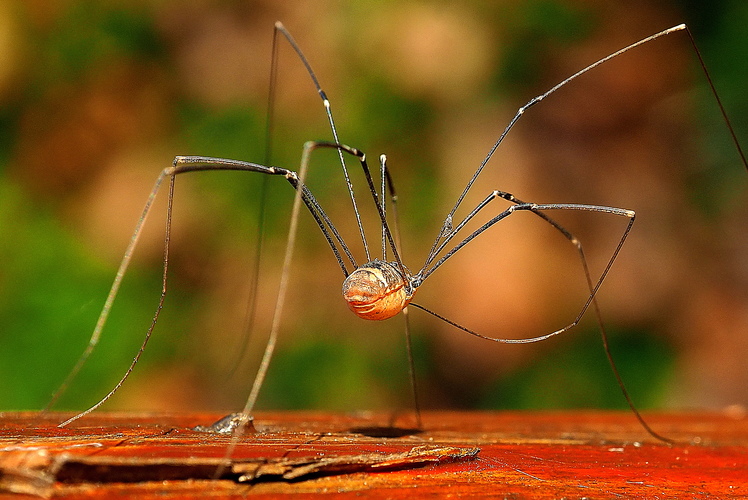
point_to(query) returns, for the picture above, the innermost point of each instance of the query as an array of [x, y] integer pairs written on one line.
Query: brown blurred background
[[98, 97]]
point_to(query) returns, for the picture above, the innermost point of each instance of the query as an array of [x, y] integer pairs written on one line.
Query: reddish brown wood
[[538, 455]]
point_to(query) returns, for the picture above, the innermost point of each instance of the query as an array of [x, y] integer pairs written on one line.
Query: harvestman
[[380, 288]]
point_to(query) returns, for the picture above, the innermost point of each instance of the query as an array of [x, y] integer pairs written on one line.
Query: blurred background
[[96, 98]]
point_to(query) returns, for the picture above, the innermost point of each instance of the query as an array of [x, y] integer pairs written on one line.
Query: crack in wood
[[35, 472]]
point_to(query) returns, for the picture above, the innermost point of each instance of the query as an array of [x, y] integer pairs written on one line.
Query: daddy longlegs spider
[[382, 287]]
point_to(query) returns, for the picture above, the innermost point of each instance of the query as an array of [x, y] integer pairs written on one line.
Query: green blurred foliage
[[577, 375]]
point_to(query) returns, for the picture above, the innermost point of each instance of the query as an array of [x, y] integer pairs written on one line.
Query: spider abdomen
[[377, 290]]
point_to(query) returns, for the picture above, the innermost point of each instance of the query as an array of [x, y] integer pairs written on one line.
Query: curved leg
[[279, 28], [181, 165], [447, 225], [538, 209]]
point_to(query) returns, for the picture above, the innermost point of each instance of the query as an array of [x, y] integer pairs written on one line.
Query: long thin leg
[[383, 202], [285, 275], [412, 368], [538, 209], [448, 221], [728, 123], [104, 315], [373, 191], [278, 311], [333, 237], [386, 180], [279, 28], [619, 379], [448, 231], [593, 287], [183, 164], [156, 315], [250, 310], [394, 198], [254, 277], [599, 318], [171, 172], [328, 110], [387, 236]]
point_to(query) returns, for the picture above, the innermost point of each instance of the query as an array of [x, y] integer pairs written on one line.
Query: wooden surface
[[505, 455]]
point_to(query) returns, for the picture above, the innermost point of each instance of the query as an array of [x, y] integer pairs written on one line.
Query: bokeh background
[[96, 98]]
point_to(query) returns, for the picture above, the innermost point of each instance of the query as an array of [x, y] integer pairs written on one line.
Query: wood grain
[[508, 454]]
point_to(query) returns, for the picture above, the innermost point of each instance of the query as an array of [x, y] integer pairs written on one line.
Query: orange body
[[376, 291]]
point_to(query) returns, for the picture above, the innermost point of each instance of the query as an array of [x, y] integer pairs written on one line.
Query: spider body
[[377, 290]]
